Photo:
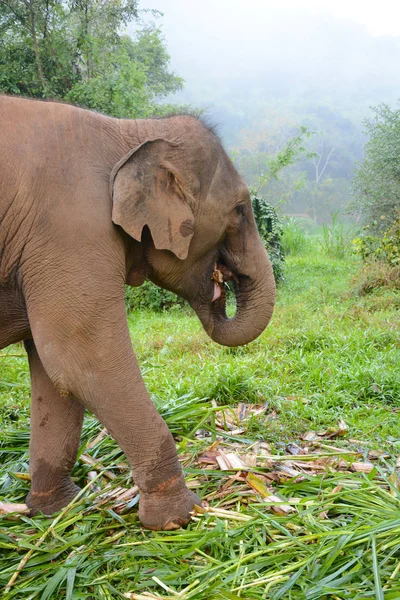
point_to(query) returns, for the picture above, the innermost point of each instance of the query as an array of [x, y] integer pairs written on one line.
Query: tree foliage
[[271, 162], [75, 50], [263, 162], [273, 158], [377, 181]]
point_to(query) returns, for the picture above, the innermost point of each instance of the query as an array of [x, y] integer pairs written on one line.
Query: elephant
[[89, 203]]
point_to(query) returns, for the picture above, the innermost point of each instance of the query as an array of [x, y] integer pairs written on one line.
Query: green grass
[[328, 355], [295, 238]]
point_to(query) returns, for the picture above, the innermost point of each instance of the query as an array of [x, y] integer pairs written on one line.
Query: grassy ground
[[292, 441]]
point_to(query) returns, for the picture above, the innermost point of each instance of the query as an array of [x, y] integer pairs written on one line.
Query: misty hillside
[[260, 74]]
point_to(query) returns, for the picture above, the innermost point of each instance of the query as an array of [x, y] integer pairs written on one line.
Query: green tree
[[262, 166], [128, 78], [377, 180], [75, 50]]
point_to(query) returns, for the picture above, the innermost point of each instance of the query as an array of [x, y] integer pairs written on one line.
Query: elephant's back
[[49, 149], [54, 181]]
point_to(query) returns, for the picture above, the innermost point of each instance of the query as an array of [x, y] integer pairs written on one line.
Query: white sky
[[237, 38], [380, 17]]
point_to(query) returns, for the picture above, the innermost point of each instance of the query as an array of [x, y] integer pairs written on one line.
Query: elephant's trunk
[[255, 296]]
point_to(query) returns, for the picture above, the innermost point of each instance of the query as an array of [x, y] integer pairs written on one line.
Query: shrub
[[270, 230], [151, 297], [385, 249], [376, 275], [381, 256]]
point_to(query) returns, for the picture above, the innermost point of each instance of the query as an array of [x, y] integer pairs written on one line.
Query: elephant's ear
[[148, 190]]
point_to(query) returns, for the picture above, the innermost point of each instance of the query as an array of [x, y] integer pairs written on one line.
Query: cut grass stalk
[[49, 530]]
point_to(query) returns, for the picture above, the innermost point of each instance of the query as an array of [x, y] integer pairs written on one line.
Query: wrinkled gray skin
[[87, 204]]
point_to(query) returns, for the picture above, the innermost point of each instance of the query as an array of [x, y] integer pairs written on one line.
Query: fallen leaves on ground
[[248, 471], [283, 510]]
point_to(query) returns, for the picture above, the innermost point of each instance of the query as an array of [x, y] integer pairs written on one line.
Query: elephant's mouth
[[220, 276], [253, 294]]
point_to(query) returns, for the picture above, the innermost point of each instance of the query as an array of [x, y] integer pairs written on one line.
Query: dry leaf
[[193, 484], [209, 457], [127, 494], [88, 460], [245, 411], [257, 484], [91, 476], [289, 471], [222, 463], [7, 508], [250, 459], [23, 476], [360, 467], [103, 433], [335, 432], [294, 449], [144, 596], [277, 504], [310, 436], [232, 418], [273, 476], [235, 461], [279, 509], [395, 481]]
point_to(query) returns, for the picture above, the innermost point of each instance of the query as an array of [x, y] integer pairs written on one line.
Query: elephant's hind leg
[[56, 424]]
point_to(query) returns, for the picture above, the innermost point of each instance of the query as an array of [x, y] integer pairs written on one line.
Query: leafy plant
[[385, 249], [270, 230], [377, 275], [381, 256], [151, 297]]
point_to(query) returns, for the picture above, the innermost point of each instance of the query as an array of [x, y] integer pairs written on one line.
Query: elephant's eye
[[240, 209]]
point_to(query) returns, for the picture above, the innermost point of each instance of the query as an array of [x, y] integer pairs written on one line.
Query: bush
[[270, 230], [376, 275], [381, 256], [384, 249], [151, 297]]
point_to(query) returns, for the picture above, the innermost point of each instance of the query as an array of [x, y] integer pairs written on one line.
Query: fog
[[227, 43], [262, 71]]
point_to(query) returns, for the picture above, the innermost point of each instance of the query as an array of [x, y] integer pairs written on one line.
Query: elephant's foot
[[53, 500], [168, 507]]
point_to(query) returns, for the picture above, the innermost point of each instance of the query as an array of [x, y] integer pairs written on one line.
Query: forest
[[292, 442]]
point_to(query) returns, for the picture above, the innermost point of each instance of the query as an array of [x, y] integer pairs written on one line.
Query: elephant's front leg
[[101, 370], [56, 424]]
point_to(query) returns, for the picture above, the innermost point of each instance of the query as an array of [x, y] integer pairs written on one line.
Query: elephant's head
[[180, 196]]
